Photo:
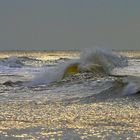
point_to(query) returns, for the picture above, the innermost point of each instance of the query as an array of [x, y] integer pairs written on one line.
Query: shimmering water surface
[[83, 105]]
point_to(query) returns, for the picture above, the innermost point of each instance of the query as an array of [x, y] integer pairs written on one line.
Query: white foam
[[133, 85]]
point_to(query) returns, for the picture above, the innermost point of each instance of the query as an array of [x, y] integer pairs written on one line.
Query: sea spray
[[101, 57]]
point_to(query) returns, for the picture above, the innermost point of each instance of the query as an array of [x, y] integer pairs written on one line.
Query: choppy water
[[22, 68], [37, 76]]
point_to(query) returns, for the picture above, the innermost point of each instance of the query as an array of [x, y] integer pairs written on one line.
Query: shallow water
[[85, 105]]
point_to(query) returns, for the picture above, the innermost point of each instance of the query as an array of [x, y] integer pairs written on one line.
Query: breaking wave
[[103, 58], [91, 60]]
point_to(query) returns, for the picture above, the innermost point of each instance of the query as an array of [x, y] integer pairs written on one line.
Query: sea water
[[42, 78]]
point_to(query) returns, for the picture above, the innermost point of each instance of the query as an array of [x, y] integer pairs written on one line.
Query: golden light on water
[[105, 116], [51, 55], [43, 55]]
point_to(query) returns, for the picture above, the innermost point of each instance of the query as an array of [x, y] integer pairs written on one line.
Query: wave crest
[[105, 59]]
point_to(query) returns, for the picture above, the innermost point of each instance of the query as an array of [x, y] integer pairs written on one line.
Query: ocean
[[70, 95]]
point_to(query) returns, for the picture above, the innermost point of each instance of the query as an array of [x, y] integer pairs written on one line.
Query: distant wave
[[93, 60], [12, 61], [16, 62]]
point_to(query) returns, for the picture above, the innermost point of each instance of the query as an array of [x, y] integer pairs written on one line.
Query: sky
[[69, 24]]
